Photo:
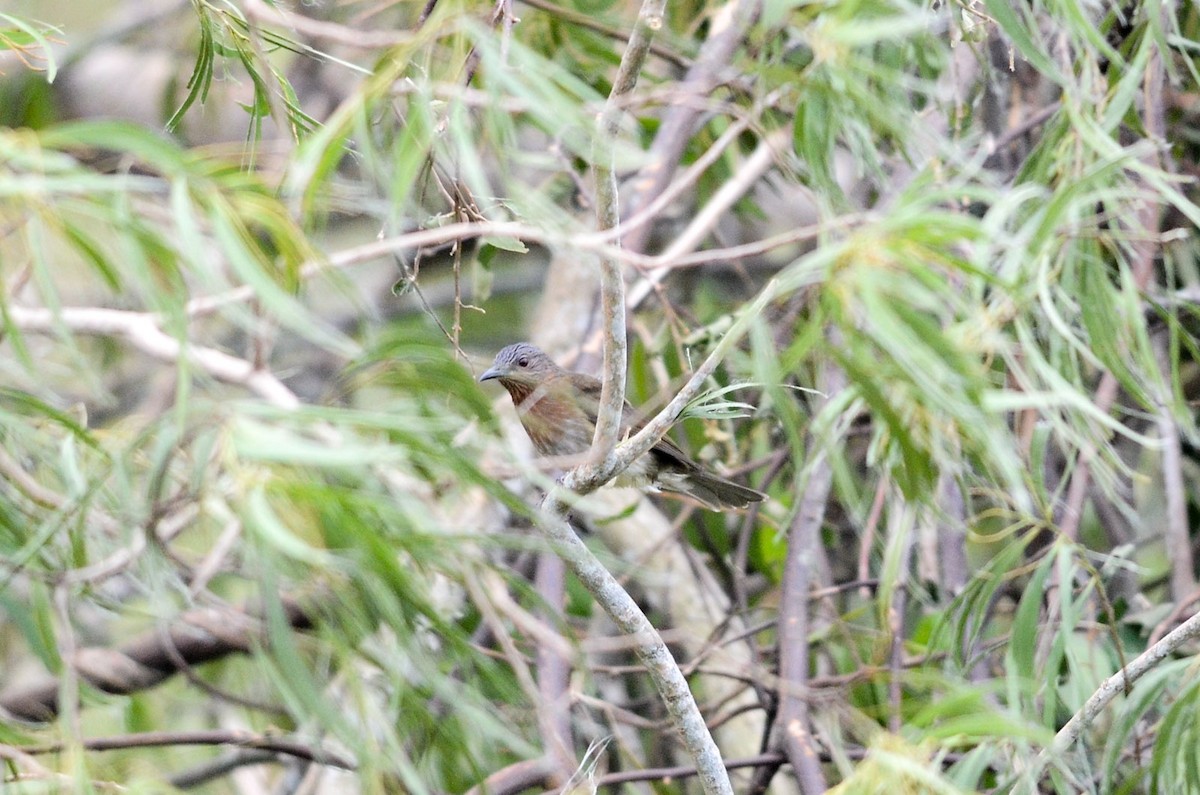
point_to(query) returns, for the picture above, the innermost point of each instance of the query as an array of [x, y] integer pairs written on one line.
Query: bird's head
[[521, 363]]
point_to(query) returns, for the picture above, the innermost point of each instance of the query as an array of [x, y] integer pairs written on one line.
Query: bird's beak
[[490, 373]]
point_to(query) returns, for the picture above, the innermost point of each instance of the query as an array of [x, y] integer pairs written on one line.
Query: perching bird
[[558, 409]]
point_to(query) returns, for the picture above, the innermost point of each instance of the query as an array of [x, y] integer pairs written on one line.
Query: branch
[[646, 214], [243, 739], [1114, 685], [600, 242], [554, 669], [585, 21], [197, 636], [219, 767], [142, 330], [648, 646], [792, 722], [324, 31], [706, 219], [517, 777], [727, 30], [1176, 531], [391, 246], [612, 281], [669, 774]]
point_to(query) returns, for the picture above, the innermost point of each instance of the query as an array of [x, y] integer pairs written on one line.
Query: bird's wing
[[631, 420]]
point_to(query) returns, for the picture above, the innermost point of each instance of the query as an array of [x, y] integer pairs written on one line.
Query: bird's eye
[[523, 362]]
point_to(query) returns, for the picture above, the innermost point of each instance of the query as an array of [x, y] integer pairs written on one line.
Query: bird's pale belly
[[557, 435]]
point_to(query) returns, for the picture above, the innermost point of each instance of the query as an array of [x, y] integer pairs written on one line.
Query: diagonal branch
[[726, 32], [1113, 686], [196, 637], [648, 645], [748, 173], [142, 330]]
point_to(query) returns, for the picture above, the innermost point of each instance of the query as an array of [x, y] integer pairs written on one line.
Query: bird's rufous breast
[[552, 417]]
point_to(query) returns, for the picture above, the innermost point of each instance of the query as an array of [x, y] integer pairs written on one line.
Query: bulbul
[[558, 410]]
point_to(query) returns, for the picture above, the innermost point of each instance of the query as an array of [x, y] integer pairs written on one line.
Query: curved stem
[[648, 645]]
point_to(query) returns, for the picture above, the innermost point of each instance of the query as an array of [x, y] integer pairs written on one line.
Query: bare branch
[[731, 191], [198, 636], [649, 647], [243, 739], [668, 774], [554, 670], [142, 330], [726, 32], [612, 280], [1176, 531], [324, 31], [1115, 685], [586, 21], [516, 778], [793, 726]]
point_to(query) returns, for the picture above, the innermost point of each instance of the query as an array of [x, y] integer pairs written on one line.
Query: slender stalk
[[279, 745], [648, 645], [612, 280], [1115, 685], [792, 722]]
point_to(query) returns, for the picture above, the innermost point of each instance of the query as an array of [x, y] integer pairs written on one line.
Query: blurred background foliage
[[252, 256]]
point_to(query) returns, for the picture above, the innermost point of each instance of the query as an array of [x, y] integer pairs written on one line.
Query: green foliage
[[209, 399]]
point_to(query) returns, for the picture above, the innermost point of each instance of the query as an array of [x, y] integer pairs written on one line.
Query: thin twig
[[690, 176], [516, 778], [1176, 533], [897, 607], [612, 280], [591, 242], [669, 774], [705, 220], [867, 543], [726, 33], [516, 662], [220, 767], [1112, 687], [1025, 126], [325, 31], [280, 745], [585, 21], [554, 670]]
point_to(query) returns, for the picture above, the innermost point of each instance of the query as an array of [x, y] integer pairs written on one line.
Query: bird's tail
[[713, 491]]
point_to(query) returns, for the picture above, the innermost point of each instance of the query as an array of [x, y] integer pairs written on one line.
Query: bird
[[558, 410]]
